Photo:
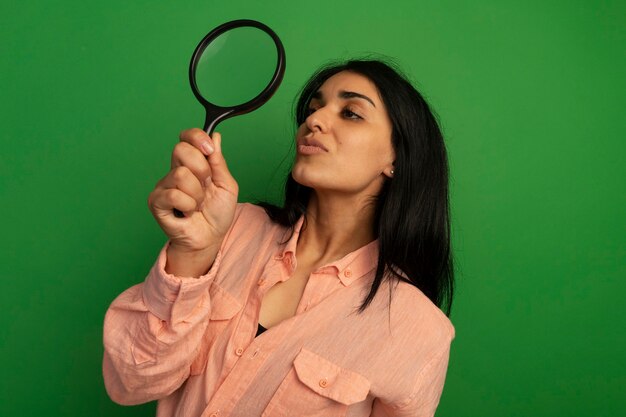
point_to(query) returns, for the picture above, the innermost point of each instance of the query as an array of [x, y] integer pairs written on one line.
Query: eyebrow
[[345, 95]]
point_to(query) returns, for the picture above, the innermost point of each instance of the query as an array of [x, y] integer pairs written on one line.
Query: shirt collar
[[348, 269]]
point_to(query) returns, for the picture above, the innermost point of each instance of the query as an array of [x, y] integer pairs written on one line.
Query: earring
[[391, 172]]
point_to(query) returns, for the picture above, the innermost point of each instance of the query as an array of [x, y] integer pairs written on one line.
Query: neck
[[334, 227]]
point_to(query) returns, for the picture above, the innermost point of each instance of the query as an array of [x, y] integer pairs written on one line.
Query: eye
[[309, 111], [349, 114]]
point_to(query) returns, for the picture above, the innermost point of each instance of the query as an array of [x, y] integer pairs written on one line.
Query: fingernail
[[207, 148]]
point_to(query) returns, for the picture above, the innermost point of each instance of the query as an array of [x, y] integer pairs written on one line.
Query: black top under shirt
[[260, 330]]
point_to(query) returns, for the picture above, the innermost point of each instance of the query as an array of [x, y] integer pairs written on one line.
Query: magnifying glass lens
[[236, 66]]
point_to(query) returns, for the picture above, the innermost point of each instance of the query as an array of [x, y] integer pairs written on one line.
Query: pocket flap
[[330, 380], [223, 305]]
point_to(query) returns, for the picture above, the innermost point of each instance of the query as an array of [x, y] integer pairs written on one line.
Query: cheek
[[373, 154], [300, 131]]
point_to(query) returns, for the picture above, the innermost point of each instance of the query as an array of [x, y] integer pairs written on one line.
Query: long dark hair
[[412, 216]]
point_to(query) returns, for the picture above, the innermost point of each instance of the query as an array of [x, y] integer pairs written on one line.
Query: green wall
[[530, 95]]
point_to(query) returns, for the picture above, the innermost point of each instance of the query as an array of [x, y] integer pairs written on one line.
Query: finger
[[219, 168], [187, 155], [199, 139], [165, 201], [183, 179]]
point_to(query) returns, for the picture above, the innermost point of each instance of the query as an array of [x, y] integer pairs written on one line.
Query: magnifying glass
[[236, 69]]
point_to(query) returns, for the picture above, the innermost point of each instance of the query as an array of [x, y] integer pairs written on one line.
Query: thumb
[[219, 169]]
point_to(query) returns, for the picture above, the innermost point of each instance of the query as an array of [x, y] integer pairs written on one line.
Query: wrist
[[185, 262]]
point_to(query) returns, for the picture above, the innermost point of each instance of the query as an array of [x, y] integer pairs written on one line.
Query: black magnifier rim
[[215, 113]]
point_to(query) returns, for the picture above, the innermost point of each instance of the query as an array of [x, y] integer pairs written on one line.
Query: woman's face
[[344, 145]]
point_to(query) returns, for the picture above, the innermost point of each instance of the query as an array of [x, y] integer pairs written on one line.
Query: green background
[[531, 99]]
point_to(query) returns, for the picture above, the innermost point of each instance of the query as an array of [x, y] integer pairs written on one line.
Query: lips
[[311, 143]]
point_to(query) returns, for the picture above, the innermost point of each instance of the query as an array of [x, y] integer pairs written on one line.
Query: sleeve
[[425, 395], [152, 333]]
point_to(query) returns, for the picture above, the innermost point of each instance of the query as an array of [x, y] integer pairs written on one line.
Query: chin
[[313, 178], [302, 179]]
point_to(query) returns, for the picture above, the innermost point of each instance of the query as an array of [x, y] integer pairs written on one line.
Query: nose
[[316, 122]]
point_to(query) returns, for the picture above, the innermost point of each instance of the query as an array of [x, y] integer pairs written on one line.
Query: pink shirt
[[190, 342]]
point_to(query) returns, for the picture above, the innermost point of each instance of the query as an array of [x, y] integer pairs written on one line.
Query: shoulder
[[417, 348], [250, 212], [251, 227], [414, 312], [249, 217], [411, 327]]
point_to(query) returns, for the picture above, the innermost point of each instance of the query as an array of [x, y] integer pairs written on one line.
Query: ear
[[389, 171]]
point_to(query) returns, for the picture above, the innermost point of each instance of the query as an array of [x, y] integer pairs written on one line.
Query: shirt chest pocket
[[316, 386]]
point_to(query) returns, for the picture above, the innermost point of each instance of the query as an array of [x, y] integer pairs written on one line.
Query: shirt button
[[347, 273], [239, 352], [323, 382]]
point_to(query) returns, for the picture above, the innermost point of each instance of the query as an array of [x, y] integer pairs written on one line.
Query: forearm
[[152, 334], [145, 359]]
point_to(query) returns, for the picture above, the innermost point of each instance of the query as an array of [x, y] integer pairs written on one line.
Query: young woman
[[328, 306]]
